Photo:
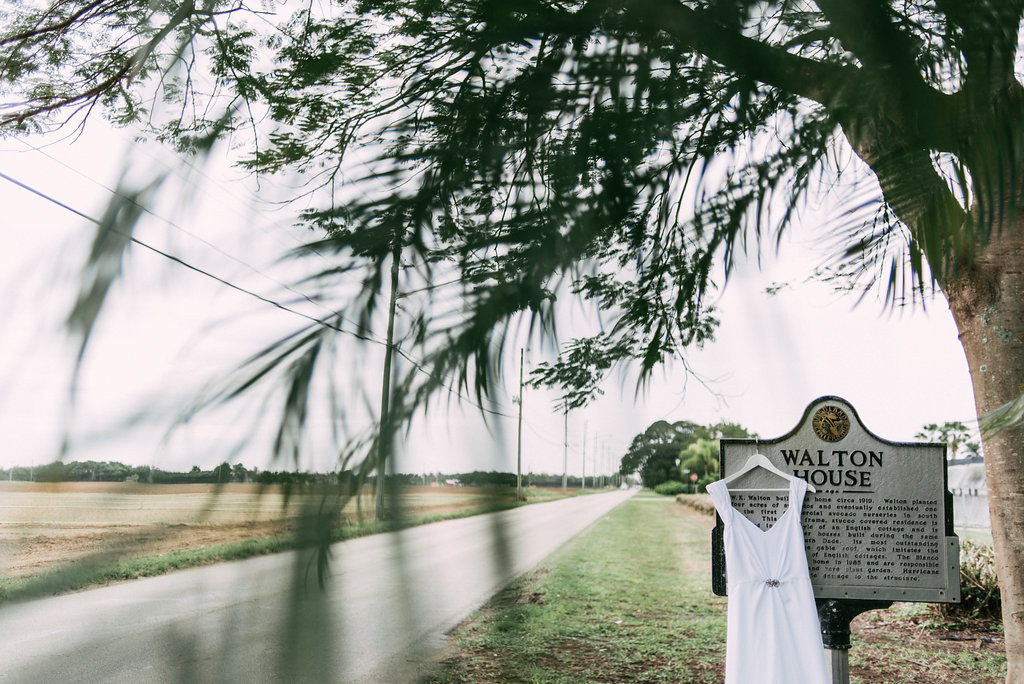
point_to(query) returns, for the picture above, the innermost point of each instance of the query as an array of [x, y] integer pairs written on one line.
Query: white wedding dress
[[773, 634]]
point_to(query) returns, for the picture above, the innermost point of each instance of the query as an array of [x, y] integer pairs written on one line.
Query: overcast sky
[[168, 330]]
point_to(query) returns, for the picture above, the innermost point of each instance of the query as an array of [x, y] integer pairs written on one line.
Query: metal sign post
[[878, 529]]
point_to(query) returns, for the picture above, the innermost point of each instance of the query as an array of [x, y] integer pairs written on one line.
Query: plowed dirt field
[[44, 525]]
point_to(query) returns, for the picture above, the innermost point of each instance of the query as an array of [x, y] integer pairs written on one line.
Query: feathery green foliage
[[612, 152], [508, 153]]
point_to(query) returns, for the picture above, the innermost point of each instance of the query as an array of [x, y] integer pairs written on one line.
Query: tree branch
[[988, 42], [703, 33], [887, 54], [864, 28], [62, 26], [847, 91], [123, 75]]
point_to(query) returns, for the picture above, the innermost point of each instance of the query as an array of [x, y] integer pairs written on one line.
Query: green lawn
[[630, 600]]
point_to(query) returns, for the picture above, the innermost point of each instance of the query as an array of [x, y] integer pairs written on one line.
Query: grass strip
[[105, 568], [629, 600]]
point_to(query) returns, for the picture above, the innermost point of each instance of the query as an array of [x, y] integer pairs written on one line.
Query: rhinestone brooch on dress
[[772, 582]]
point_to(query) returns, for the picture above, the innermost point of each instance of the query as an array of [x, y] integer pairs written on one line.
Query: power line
[[226, 189], [324, 322], [197, 187], [320, 321], [168, 222]]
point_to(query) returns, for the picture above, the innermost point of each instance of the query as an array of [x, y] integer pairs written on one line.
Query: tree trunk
[[988, 307]]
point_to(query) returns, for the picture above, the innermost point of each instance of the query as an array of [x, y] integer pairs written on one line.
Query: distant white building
[[970, 494]]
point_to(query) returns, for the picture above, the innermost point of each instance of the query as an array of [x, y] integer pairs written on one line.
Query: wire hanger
[[759, 460]]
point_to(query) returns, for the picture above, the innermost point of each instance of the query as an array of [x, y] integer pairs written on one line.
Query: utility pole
[[604, 464], [384, 436], [584, 477], [565, 451], [519, 439]]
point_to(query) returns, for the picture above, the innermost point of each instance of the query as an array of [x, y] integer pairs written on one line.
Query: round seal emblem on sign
[[830, 423]]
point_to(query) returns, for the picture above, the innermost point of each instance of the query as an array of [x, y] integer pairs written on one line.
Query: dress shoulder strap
[[720, 497], [797, 490]]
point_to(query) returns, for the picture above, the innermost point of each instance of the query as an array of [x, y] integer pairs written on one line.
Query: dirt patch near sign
[[904, 645]]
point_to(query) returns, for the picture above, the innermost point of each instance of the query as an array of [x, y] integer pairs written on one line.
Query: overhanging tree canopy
[[615, 148]]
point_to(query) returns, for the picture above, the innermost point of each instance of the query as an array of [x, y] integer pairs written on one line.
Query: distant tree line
[[667, 452], [114, 471]]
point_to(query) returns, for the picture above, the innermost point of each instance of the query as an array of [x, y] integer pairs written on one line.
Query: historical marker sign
[[879, 526]]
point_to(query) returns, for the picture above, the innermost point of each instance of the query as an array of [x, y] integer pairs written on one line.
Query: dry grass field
[[45, 525]]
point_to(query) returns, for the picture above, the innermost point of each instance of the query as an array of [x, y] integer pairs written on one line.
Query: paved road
[[389, 602]]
